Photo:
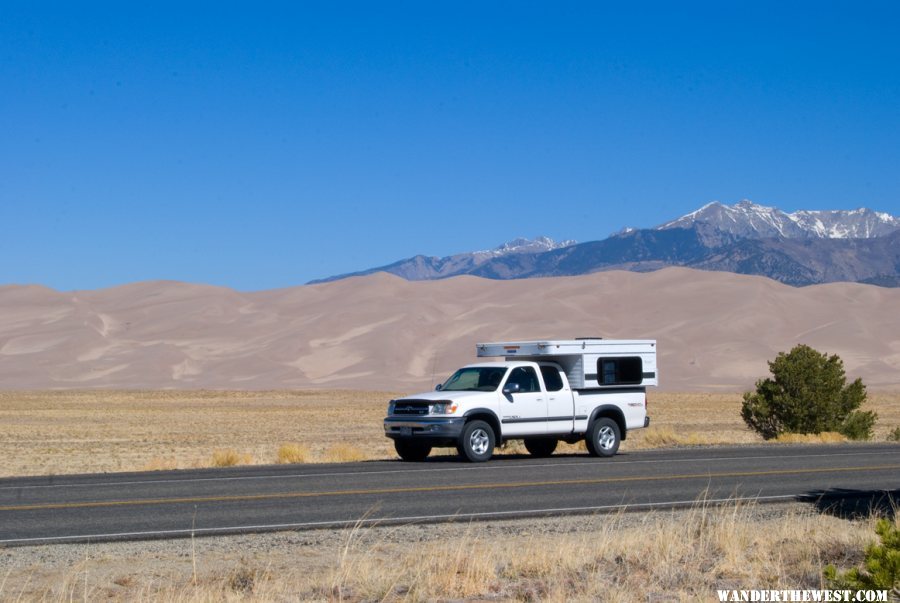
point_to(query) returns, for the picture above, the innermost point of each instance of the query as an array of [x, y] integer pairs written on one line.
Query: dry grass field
[[61, 432], [680, 555]]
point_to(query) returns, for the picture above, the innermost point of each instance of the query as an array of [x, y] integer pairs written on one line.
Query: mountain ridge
[[423, 267], [801, 248], [750, 220]]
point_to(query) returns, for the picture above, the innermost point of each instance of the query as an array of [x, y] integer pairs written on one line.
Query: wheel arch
[[489, 417], [613, 412]]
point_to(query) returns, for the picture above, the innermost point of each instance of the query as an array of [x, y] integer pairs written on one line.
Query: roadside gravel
[[143, 569]]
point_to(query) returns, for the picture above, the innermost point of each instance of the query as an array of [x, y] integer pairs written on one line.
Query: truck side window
[[620, 371], [552, 379], [526, 378]]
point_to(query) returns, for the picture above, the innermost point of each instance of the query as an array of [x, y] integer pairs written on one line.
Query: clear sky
[[260, 145]]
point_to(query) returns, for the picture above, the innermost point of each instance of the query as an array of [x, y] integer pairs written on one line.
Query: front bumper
[[432, 428]]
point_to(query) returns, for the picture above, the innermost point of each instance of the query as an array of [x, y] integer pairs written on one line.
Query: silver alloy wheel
[[606, 437], [479, 441]]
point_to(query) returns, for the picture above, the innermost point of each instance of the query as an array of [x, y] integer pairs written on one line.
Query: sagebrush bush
[[808, 393]]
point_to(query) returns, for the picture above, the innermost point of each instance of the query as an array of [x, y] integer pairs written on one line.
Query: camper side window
[[620, 371]]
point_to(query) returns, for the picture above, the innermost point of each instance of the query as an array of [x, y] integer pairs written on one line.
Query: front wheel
[[410, 450], [476, 443], [603, 437]]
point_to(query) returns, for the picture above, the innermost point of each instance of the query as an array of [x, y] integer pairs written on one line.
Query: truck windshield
[[475, 379]]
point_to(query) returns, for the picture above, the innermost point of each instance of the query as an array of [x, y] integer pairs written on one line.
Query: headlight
[[443, 408], [390, 408]]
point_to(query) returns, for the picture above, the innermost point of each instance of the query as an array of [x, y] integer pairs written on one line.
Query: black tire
[[603, 437], [411, 450], [540, 447], [477, 441]]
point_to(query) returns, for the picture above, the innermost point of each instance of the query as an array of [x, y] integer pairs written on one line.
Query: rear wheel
[[476, 443], [603, 437], [411, 450], [540, 447]]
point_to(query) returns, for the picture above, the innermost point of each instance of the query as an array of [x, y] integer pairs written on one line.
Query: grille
[[411, 408]]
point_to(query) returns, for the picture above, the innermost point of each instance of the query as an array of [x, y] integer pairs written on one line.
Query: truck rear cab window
[[552, 379], [627, 370]]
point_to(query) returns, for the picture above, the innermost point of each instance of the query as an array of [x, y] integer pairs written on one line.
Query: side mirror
[[511, 388], [438, 387]]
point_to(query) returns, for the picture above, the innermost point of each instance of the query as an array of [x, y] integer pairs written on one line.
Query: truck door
[[560, 410], [525, 411]]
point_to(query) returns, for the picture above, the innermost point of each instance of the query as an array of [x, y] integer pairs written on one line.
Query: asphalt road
[[36, 510]]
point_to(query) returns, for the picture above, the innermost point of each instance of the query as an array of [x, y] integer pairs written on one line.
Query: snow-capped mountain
[[859, 223], [522, 245], [750, 220], [800, 248]]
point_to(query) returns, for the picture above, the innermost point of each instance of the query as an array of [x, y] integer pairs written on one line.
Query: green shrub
[[858, 425], [894, 435], [881, 565], [808, 393]]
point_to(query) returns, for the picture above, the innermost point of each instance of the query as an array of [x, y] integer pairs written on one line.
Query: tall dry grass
[[344, 453], [292, 453], [680, 555], [230, 458], [100, 431], [826, 437]]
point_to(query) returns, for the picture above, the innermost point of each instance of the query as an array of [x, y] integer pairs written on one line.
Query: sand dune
[[715, 330]]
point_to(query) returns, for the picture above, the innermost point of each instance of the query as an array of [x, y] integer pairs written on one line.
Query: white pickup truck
[[543, 392]]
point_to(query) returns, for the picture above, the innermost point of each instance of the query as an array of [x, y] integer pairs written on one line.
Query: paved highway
[[35, 510]]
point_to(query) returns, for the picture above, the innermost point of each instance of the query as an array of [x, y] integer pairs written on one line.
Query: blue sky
[[261, 145]]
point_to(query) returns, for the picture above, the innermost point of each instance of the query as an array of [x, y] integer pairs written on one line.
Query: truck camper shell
[[589, 363]]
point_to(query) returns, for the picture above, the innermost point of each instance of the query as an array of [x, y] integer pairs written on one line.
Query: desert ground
[[679, 555], [62, 432]]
